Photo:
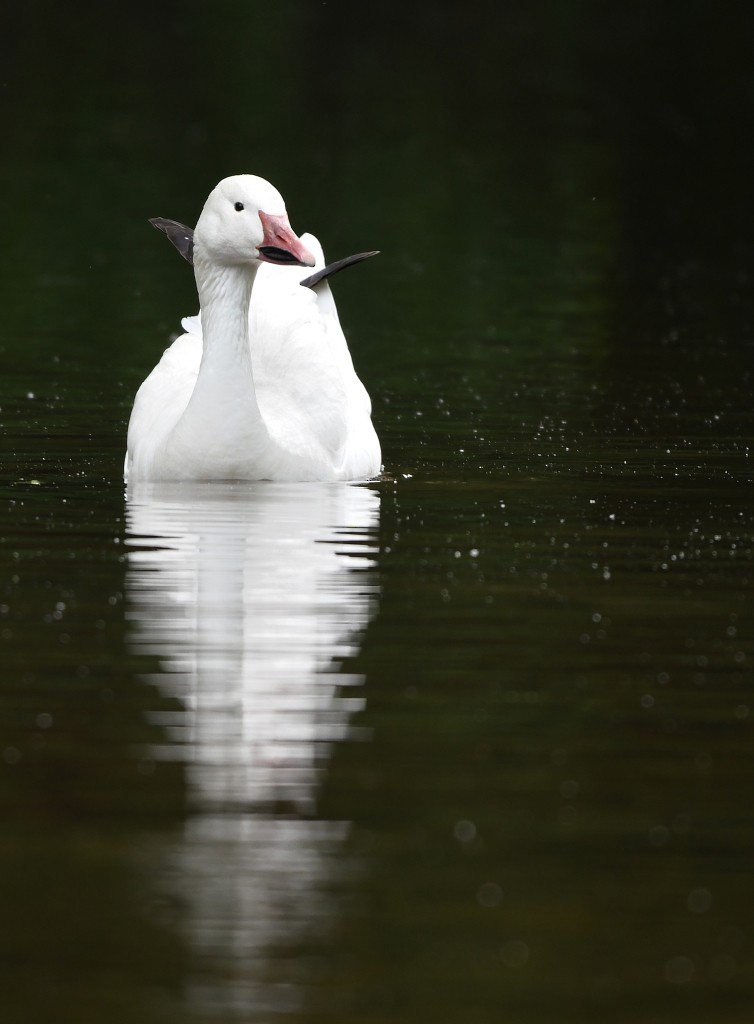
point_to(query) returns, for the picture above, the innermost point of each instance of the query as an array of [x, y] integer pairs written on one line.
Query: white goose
[[261, 386]]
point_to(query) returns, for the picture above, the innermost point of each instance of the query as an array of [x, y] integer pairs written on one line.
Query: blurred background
[[471, 742]]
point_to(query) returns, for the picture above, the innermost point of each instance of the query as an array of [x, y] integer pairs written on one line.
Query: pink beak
[[280, 244]]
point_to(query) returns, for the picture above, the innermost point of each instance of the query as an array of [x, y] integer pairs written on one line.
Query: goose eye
[[238, 206]]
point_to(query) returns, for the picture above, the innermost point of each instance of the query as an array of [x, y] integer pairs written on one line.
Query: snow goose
[[261, 386]]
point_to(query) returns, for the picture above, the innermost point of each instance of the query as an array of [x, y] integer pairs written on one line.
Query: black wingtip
[[181, 236], [332, 268]]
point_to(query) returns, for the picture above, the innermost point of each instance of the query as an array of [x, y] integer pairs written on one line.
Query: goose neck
[[224, 296]]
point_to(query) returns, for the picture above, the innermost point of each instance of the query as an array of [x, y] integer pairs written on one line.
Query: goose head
[[244, 222]]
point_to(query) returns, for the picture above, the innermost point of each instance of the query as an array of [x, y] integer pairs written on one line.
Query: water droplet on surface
[[464, 831], [569, 789], [679, 970], [659, 835], [489, 895]]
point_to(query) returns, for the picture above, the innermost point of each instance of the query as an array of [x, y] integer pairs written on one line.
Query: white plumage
[[261, 386]]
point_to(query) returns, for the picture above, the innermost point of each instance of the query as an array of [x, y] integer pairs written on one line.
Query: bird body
[[261, 386]]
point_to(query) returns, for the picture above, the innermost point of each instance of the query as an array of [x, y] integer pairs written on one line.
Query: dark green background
[[561, 319]]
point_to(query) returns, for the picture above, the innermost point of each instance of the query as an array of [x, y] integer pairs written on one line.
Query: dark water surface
[[469, 743]]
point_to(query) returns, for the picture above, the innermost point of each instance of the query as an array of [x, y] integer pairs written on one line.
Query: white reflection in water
[[251, 596]]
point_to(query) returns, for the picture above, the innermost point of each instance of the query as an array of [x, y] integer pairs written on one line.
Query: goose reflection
[[252, 596]]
